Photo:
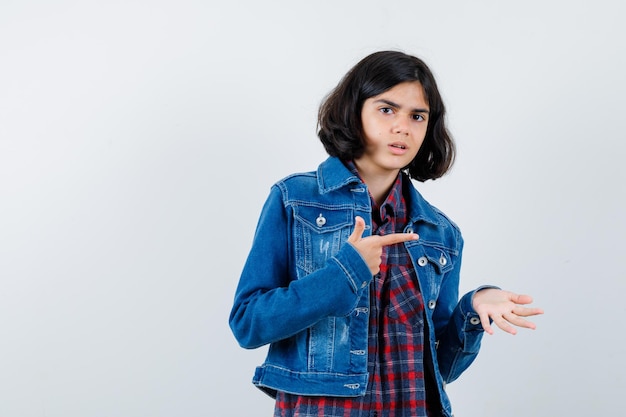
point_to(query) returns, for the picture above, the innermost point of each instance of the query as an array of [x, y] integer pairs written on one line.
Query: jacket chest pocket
[[407, 299], [431, 264], [319, 232]]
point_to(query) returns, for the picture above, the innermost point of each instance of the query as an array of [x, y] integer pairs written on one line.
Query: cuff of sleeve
[[472, 320], [354, 267]]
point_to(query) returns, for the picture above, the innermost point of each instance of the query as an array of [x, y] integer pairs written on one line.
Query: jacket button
[[321, 220], [475, 320], [432, 304], [409, 230], [443, 261], [422, 261]]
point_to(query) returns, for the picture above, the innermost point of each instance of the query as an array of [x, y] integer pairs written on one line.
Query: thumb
[[357, 233]]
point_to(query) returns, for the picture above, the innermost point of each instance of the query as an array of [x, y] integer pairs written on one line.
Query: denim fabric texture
[[305, 291]]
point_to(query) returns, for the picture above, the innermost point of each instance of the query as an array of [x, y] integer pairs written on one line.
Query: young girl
[[353, 276]]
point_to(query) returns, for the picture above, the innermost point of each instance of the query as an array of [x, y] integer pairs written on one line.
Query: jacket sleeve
[[270, 303], [458, 328], [459, 344]]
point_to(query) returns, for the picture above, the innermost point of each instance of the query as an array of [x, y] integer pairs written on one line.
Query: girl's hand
[[504, 308], [371, 247]]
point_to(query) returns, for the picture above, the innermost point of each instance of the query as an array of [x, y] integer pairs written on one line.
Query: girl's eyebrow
[[397, 106]]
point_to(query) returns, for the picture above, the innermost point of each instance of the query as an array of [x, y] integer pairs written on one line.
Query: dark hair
[[339, 119]]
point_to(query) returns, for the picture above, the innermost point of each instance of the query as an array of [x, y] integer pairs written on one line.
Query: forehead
[[405, 94]]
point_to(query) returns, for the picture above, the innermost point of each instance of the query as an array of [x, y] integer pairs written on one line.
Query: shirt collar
[[332, 174], [393, 202]]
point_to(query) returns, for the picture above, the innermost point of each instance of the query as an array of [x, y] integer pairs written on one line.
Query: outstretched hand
[[371, 247], [505, 309]]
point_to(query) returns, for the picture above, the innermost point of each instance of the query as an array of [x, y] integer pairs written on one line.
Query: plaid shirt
[[398, 379]]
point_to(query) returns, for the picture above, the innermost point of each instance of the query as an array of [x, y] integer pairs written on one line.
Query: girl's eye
[[386, 110], [418, 117]]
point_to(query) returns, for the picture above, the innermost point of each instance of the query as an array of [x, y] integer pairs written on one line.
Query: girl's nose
[[401, 126]]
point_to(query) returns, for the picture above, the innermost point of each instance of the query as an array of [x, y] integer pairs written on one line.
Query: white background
[[139, 139]]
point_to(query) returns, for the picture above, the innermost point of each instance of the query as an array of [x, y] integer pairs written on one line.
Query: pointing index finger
[[394, 238]]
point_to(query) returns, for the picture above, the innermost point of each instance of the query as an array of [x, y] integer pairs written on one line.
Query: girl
[[353, 276]]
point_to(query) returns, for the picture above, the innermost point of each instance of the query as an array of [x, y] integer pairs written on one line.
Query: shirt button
[[475, 320], [432, 304], [422, 261]]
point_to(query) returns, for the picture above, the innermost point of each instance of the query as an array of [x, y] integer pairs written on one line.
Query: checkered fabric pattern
[[398, 380]]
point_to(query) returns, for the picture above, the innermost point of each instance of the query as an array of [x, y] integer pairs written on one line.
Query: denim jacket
[[304, 289]]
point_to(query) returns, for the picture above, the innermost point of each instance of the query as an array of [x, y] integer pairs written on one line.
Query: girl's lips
[[398, 148]]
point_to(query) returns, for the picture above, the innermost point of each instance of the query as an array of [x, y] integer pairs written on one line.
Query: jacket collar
[[419, 208], [332, 174]]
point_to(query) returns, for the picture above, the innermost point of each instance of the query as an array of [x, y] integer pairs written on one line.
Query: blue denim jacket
[[304, 289]]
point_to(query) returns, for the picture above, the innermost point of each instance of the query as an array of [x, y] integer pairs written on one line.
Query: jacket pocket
[[408, 298], [431, 264], [319, 232]]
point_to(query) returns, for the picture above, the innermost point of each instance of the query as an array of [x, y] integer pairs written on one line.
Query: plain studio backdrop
[[139, 139]]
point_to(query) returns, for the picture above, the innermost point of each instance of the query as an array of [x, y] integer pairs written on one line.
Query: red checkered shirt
[[398, 379]]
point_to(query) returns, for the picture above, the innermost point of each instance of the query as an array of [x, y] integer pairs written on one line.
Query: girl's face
[[394, 127]]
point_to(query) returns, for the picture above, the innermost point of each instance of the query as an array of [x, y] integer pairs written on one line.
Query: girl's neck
[[378, 183]]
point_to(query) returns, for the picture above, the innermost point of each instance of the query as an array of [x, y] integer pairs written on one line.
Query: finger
[[504, 325], [394, 238], [526, 312], [519, 322], [521, 298], [357, 233], [484, 321]]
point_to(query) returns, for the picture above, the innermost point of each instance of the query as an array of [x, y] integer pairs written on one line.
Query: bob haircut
[[339, 119]]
